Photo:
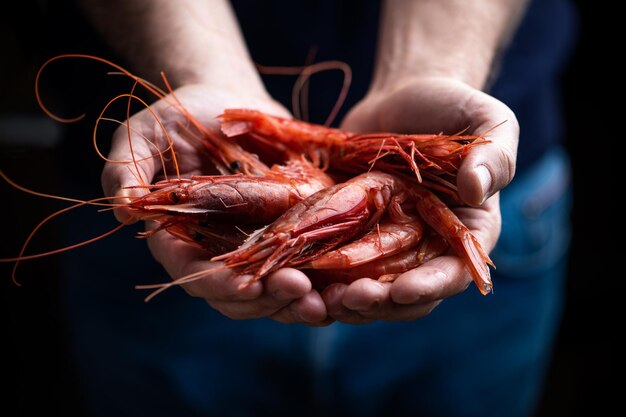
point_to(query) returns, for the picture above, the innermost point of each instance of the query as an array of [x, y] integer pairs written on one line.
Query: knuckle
[[507, 160], [512, 118]]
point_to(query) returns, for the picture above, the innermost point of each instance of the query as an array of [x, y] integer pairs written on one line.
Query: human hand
[[432, 105], [285, 295]]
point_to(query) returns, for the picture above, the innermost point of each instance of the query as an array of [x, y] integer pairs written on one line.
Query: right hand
[[286, 295], [434, 104]]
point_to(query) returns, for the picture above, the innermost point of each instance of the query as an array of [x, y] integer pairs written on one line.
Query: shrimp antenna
[[95, 202], [304, 74], [148, 86], [195, 276]]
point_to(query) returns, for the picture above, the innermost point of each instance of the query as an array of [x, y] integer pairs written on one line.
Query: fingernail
[[484, 177]]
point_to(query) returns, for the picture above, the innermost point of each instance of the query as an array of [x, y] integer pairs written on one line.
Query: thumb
[[122, 172], [489, 167], [118, 187]]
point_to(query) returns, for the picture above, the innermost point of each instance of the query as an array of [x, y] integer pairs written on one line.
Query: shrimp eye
[[235, 166], [174, 197]]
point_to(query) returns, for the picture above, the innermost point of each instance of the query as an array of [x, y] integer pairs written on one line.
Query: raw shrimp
[[335, 216]]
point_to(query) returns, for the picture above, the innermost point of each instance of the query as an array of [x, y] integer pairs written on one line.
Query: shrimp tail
[[443, 220], [475, 258]]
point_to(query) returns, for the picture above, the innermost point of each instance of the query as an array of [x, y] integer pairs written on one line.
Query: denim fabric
[[473, 355]]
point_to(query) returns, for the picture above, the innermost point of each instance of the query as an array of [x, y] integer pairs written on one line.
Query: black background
[[37, 367]]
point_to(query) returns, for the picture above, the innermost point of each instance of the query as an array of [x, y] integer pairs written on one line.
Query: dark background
[[36, 365]]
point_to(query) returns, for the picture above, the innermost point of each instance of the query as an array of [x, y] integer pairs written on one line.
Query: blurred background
[[36, 363]]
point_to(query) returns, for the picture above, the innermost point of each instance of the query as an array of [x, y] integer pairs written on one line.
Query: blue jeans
[[472, 356]]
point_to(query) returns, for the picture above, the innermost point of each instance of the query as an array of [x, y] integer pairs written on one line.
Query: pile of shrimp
[[336, 204]]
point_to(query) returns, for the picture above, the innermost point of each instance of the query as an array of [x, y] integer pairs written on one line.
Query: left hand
[[432, 105], [286, 295]]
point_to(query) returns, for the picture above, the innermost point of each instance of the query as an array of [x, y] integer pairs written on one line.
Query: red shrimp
[[190, 208], [325, 220], [336, 215], [314, 224], [384, 269], [230, 198], [443, 220], [396, 233], [328, 217], [433, 158], [203, 207], [214, 238]]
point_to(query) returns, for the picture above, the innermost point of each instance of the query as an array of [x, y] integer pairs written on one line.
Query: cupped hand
[[433, 105], [285, 295]]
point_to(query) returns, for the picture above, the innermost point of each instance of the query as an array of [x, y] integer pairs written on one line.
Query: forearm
[[443, 38], [191, 41]]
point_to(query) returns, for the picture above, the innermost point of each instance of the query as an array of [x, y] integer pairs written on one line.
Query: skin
[[427, 79]]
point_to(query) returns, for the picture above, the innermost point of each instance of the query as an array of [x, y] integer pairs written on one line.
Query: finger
[[246, 310], [292, 288], [333, 299], [222, 285], [388, 311], [287, 284], [365, 295], [131, 159], [485, 221], [309, 309], [369, 302], [489, 167], [439, 278], [214, 282], [272, 293]]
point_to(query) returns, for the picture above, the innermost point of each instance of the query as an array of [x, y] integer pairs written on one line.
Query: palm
[[201, 103], [433, 106], [286, 295]]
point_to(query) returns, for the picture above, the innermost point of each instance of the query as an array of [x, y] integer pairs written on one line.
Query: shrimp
[[230, 198], [203, 210], [206, 211], [323, 221], [438, 157], [302, 219], [327, 219], [383, 269], [327, 222], [396, 233], [338, 214], [434, 159], [212, 237], [443, 220]]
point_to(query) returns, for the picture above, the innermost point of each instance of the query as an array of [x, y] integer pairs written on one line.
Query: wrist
[[191, 42], [237, 76], [452, 39], [393, 75], [416, 82]]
